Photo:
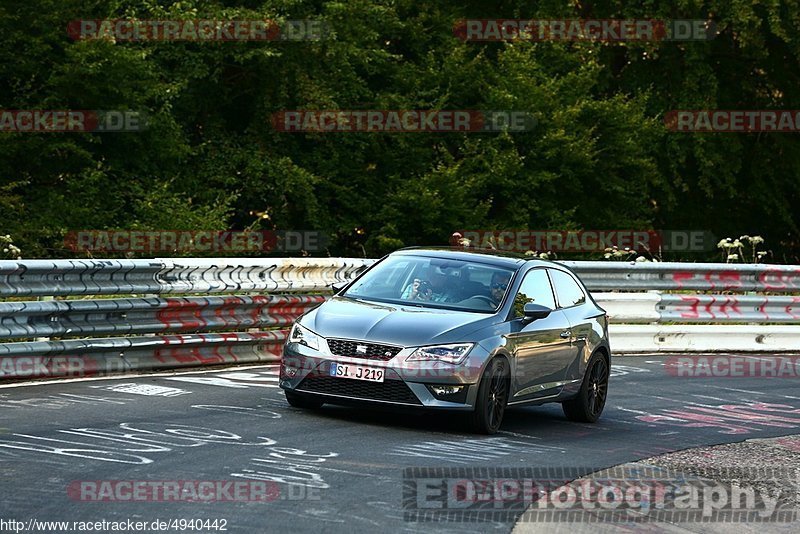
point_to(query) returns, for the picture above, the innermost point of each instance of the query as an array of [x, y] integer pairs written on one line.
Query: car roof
[[488, 256]]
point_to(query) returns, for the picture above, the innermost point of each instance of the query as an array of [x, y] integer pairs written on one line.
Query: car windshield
[[434, 283]]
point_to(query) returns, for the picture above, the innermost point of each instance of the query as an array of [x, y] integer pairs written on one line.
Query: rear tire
[[490, 404], [298, 400], [588, 405]]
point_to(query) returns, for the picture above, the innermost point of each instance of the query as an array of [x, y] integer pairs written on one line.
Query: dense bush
[[599, 158]]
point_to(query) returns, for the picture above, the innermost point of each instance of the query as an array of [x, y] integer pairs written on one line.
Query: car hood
[[394, 324]]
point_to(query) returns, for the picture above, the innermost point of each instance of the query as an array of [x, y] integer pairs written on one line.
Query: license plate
[[356, 372]]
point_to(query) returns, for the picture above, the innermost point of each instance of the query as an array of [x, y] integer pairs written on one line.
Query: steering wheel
[[483, 298]]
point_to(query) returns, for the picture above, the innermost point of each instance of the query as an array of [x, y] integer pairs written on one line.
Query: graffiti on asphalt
[[235, 379], [130, 443], [727, 418], [288, 466], [470, 450], [59, 401], [258, 411]]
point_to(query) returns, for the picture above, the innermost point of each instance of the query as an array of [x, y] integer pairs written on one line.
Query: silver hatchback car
[[453, 330]]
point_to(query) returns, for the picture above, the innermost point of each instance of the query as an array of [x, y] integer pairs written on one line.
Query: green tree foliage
[[598, 158]]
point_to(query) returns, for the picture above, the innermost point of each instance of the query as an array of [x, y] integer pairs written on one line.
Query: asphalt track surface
[[338, 469]]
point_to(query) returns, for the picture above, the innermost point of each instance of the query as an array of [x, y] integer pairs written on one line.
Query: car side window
[[535, 288], [567, 289]]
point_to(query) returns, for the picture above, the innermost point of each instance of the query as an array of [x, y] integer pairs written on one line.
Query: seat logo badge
[[361, 349]]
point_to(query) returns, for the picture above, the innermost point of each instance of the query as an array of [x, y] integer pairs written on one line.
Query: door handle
[[566, 334]]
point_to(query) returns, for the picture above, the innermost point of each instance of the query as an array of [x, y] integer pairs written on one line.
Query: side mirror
[[338, 286], [533, 311]]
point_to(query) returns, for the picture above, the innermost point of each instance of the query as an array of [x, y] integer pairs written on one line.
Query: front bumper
[[406, 384]]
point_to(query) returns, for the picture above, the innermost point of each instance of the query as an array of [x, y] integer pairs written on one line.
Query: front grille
[[388, 390], [369, 351]]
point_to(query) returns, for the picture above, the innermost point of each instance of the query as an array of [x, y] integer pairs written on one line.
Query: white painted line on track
[[712, 398], [136, 375], [737, 390]]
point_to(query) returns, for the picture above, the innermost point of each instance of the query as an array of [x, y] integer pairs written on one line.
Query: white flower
[[641, 259], [737, 244], [607, 255], [762, 253], [732, 257], [544, 256], [756, 239], [725, 243], [464, 242], [530, 253]]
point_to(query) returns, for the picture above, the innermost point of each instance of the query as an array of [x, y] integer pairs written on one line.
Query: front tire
[[492, 398], [587, 406], [298, 400]]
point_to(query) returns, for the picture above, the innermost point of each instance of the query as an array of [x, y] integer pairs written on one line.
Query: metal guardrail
[[628, 312], [147, 329], [61, 318], [36, 278], [639, 339], [677, 308], [228, 275], [672, 276], [89, 357], [241, 318]]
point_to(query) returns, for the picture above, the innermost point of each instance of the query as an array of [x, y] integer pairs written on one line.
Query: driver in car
[[498, 287]]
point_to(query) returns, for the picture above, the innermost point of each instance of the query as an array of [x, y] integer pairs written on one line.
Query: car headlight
[[304, 336], [454, 354]]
